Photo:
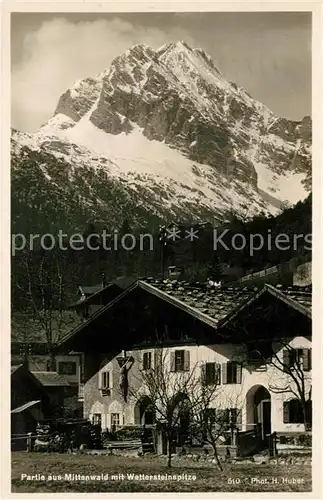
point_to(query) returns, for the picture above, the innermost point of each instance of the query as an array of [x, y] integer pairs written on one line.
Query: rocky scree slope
[[160, 134]]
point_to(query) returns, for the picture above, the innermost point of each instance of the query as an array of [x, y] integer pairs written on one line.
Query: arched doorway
[[258, 410], [144, 411]]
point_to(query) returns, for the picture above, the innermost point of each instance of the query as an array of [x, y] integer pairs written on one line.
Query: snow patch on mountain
[[169, 126]]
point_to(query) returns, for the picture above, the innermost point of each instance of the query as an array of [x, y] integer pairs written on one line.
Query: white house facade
[[246, 390], [253, 344]]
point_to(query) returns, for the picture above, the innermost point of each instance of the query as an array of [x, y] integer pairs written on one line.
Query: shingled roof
[[213, 302], [222, 303], [211, 305], [300, 294]]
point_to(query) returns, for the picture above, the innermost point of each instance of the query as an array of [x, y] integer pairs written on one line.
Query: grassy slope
[[208, 478]]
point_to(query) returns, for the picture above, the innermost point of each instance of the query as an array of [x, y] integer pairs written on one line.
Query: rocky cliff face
[[169, 130]]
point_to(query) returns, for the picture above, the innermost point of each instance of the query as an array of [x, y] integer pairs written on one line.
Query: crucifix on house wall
[[125, 363]]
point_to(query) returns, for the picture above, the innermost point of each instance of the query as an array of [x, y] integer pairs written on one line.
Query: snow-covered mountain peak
[[168, 122]]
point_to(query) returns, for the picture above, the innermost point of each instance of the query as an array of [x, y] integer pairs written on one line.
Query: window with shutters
[[146, 361], [211, 373], [257, 360], [228, 418], [180, 361], [233, 416], [115, 420], [301, 358], [67, 367], [293, 411], [232, 373], [210, 415], [96, 419], [105, 382]]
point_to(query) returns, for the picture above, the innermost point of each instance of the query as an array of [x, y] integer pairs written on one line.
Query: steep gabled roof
[[25, 406], [207, 304], [17, 370], [212, 306], [299, 298], [109, 292], [90, 290], [14, 368], [94, 316], [51, 379]]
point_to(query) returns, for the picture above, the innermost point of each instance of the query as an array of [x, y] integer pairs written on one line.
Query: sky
[[267, 53]]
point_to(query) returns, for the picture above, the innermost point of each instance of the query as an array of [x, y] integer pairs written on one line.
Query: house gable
[[144, 316], [100, 296], [151, 312], [273, 316], [25, 386]]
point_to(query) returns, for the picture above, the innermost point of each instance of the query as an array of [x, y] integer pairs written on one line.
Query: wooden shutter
[[224, 373], [172, 361], [100, 380], [309, 411], [158, 358], [218, 373], [286, 359], [239, 419], [286, 410], [186, 361], [104, 380], [213, 373], [147, 358], [144, 360], [307, 355], [239, 373], [203, 374], [110, 380], [233, 416], [220, 417]]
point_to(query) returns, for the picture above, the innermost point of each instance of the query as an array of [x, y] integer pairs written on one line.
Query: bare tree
[[289, 367], [42, 283], [293, 366], [183, 401], [215, 411], [168, 392]]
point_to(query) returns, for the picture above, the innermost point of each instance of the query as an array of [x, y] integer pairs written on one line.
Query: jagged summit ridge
[[167, 122]]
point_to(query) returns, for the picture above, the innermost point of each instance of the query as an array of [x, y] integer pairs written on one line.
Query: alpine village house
[[252, 342]]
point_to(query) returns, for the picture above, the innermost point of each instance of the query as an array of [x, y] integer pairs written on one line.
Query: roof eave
[[205, 318], [276, 293], [288, 300], [93, 317]]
